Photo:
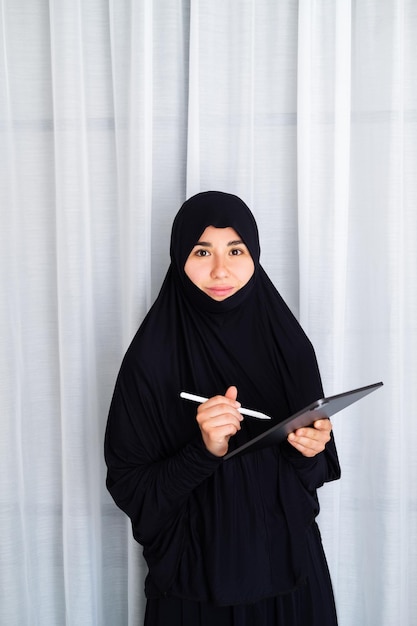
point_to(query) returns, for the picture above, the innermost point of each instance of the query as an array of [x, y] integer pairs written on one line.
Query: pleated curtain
[[111, 114]]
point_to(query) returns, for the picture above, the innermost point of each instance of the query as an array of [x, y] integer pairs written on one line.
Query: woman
[[227, 542]]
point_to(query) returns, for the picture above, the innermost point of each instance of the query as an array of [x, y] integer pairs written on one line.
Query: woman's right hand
[[219, 419]]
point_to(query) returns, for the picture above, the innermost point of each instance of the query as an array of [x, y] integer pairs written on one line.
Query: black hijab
[[251, 339], [190, 342]]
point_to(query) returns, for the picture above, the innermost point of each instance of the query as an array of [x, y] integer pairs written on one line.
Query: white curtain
[[111, 114]]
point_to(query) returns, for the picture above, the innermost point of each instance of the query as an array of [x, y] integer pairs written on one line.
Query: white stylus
[[257, 414]]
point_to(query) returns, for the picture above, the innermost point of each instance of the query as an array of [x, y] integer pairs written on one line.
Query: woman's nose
[[219, 269]]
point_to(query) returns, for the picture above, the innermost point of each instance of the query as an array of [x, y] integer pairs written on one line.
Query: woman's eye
[[236, 252], [202, 252]]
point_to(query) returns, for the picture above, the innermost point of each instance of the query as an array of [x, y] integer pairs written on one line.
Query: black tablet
[[322, 408]]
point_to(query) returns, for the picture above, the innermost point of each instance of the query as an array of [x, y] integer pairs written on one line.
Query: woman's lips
[[220, 291]]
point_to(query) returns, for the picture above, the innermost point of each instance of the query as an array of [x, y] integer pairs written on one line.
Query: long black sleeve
[[151, 492]]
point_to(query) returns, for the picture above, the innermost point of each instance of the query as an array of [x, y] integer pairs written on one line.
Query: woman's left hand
[[312, 440]]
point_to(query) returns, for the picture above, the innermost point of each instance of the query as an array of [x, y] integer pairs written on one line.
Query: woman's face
[[219, 264]]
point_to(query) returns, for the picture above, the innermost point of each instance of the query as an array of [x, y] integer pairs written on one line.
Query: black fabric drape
[[226, 532]]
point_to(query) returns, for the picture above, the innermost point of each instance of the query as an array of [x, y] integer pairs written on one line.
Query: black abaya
[[310, 604], [236, 533]]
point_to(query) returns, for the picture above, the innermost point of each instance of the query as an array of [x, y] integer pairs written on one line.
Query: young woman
[[227, 542]]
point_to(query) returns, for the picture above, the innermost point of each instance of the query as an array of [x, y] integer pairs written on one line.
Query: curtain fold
[[111, 114]]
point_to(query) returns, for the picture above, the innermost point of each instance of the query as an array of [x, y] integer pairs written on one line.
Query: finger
[[310, 442], [223, 410], [219, 416], [308, 448], [307, 433], [231, 393], [219, 420], [313, 440], [296, 443], [315, 431], [323, 424], [220, 400], [217, 429]]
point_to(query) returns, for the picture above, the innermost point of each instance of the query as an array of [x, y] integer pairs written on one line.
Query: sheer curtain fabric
[[111, 114]]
